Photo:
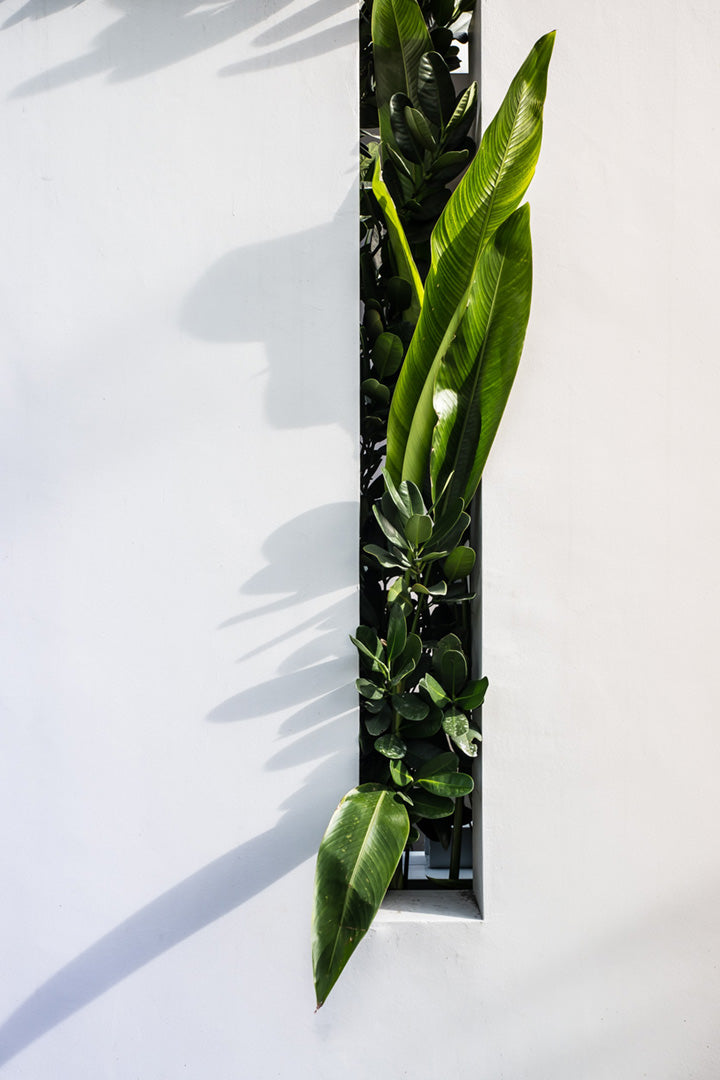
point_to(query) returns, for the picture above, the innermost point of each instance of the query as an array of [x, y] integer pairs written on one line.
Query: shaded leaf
[[427, 805], [400, 38]]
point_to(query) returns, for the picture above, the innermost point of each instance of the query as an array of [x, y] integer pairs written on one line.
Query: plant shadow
[[314, 675], [151, 36]]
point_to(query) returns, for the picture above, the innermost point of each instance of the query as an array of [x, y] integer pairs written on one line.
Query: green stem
[[456, 846]]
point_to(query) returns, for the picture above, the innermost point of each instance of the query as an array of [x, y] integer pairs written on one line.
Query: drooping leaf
[[474, 379], [356, 861], [400, 249], [390, 560], [370, 656], [368, 689], [400, 38], [486, 196]]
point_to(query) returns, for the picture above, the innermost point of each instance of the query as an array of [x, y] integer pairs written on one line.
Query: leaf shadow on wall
[[314, 676], [151, 36], [236, 301]]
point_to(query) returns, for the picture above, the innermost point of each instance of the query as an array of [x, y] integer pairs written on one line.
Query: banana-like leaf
[[400, 40], [476, 375], [486, 196], [402, 256], [356, 861]]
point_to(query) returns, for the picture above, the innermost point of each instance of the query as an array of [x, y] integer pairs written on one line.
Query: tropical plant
[[445, 285]]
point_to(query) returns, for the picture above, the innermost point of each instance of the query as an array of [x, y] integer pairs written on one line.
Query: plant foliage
[[446, 273]]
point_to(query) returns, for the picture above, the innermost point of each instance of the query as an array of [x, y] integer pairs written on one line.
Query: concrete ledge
[[428, 905]]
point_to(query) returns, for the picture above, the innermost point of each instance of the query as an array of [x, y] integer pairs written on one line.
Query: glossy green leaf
[[394, 535], [463, 116], [448, 642], [368, 689], [453, 671], [388, 560], [453, 785], [420, 129], [451, 528], [400, 774], [410, 706], [370, 654], [428, 805], [375, 390], [404, 264], [457, 727], [442, 763], [406, 141], [408, 659], [379, 724], [400, 39], [387, 352], [419, 529], [486, 196], [474, 380], [422, 729], [391, 746], [396, 633], [356, 861], [473, 694], [436, 93], [435, 690], [459, 563]]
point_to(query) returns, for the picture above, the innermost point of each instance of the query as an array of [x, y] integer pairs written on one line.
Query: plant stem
[[456, 846]]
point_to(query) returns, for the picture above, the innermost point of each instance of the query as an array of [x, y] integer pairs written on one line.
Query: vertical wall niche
[[426, 864]]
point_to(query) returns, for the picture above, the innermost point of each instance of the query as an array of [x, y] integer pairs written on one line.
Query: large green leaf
[[476, 375], [400, 249], [491, 189], [400, 39], [356, 861]]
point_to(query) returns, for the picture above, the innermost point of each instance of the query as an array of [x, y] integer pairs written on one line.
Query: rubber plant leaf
[[474, 379], [400, 249], [400, 40], [490, 191], [355, 864]]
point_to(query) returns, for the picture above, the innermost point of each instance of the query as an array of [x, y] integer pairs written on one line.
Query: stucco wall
[[179, 304]]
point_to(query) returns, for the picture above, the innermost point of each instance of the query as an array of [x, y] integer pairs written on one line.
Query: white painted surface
[[178, 333]]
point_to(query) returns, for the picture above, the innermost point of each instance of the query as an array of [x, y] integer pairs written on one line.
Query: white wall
[[179, 299]]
